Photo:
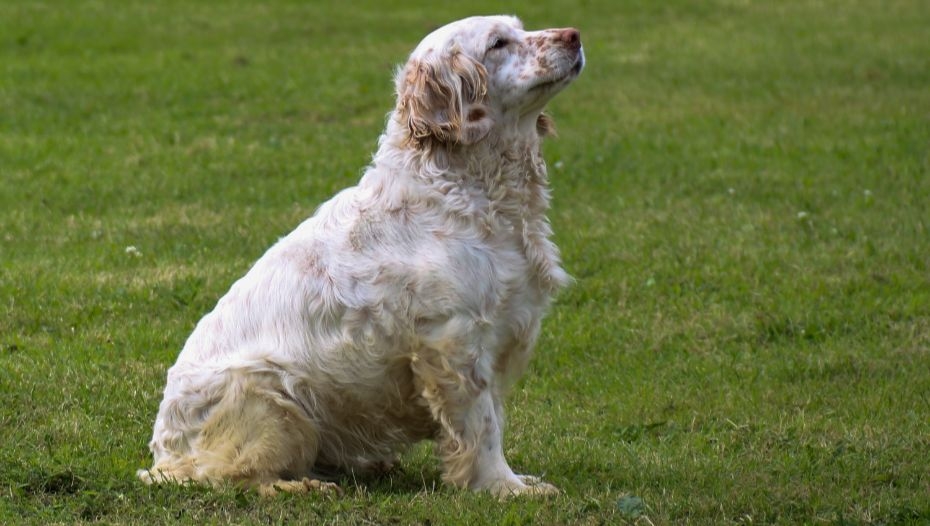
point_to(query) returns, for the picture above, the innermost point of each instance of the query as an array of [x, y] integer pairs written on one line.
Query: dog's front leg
[[458, 386]]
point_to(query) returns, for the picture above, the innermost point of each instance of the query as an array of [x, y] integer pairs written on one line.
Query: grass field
[[742, 190]]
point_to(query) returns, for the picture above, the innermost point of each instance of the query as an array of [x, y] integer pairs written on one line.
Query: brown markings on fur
[[535, 41], [544, 64], [414, 103], [473, 75], [476, 114], [543, 44], [311, 264], [434, 96], [403, 211], [364, 232], [523, 52], [307, 260], [410, 73], [545, 126]]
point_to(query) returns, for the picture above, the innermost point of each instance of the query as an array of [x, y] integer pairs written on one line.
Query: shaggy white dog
[[407, 305]]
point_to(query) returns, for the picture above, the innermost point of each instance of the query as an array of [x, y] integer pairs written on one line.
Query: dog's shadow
[[415, 471], [399, 480]]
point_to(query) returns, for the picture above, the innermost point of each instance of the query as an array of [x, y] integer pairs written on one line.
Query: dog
[[406, 306]]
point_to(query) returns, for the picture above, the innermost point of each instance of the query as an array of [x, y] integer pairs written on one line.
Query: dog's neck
[[502, 175], [499, 186]]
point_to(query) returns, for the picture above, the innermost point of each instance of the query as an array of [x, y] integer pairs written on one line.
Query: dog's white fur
[[407, 305]]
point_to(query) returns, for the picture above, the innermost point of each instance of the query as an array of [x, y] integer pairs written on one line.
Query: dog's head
[[470, 77]]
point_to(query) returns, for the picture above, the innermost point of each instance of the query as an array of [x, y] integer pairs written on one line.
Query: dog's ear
[[440, 99], [475, 123], [545, 125]]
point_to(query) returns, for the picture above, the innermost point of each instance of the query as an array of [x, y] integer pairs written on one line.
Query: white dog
[[406, 306]]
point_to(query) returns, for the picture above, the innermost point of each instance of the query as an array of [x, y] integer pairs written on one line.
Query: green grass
[[741, 190]]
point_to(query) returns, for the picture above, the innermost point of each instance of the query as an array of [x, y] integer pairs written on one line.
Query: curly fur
[[406, 306]]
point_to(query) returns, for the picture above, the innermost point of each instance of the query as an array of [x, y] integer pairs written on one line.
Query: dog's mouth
[[567, 76], [579, 63]]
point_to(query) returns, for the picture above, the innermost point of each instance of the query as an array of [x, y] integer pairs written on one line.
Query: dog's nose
[[571, 37]]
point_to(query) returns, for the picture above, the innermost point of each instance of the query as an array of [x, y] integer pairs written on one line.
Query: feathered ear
[[545, 125], [440, 100]]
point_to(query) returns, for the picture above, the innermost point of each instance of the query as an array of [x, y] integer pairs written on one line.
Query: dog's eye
[[499, 43]]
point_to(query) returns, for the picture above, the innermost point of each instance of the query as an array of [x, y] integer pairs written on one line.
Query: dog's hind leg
[[256, 436]]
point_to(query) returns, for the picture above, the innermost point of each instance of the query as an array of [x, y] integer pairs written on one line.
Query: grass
[[741, 191]]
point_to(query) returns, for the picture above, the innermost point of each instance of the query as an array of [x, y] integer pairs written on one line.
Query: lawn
[[741, 190]]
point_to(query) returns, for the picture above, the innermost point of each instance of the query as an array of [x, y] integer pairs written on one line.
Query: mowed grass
[[742, 190]]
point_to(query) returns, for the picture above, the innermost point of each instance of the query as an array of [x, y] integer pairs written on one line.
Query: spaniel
[[406, 306]]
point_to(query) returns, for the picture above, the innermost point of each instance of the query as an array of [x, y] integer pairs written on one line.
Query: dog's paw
[[305, 485], [524, 485], [377, 467], [536, 486]]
